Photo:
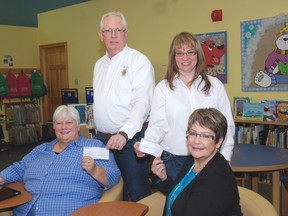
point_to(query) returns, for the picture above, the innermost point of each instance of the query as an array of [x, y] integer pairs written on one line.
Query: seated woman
[[206, 184], [57, 174]]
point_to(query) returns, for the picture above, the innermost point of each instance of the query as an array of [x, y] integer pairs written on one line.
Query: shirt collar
[[178, 80], [118, 55], [79, 142]]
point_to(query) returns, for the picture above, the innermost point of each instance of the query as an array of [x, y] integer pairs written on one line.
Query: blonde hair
[[189, 39]]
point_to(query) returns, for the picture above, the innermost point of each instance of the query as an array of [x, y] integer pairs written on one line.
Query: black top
[[212, 192]]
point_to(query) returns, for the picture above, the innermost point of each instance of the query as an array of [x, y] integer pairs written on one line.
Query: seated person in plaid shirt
[[57, 174]]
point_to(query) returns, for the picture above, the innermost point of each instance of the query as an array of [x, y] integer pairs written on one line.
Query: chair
[[155, 202], [252, 204], [6, 213], [113, 194]]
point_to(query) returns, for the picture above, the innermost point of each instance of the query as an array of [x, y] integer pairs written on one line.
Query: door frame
[[44, 70]]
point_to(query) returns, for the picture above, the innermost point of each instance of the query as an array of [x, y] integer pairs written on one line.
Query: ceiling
[[24, 12]]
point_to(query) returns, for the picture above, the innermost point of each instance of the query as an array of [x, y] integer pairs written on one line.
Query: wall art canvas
[[264, 54], [81, 108], [214, 46]]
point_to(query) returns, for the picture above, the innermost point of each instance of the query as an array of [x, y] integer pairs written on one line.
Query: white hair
[[114, 13]]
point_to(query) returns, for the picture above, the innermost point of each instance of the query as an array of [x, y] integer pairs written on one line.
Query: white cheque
[[150, 148], [96, 153]]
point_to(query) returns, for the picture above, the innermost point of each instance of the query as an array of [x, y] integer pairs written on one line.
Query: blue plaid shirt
[[58, 183]]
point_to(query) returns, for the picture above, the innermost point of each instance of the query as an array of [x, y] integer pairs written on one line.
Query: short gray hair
[[63, 110], [114, 13]]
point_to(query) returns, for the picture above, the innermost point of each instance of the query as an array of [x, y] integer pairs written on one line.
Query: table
[[17, 200], [261, 158], [117, 208]]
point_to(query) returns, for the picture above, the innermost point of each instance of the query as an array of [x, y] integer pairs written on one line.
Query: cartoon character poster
[[214, 46], [264, 54]]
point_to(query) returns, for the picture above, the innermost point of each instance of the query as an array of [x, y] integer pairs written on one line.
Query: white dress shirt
[[170, 112], [123, 89]]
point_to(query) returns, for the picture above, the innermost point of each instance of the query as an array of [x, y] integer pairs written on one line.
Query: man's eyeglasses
[[115, 30], [189, 53], [202, 136]]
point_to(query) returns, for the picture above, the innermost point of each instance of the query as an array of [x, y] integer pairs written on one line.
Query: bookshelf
[[268, 133], [23, 122], [266, 178], [86, 131], [277, 123]]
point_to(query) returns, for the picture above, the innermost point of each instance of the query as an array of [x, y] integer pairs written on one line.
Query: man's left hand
[[116, 142]]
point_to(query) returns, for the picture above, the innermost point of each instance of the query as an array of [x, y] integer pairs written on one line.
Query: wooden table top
[[117, 208], [17, 200]]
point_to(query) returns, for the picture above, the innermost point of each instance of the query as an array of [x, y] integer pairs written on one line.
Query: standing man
[[123, 86]]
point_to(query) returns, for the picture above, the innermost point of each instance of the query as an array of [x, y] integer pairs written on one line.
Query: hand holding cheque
[[147, 147]]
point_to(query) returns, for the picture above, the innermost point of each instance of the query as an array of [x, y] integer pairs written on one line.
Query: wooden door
[[54, 67]]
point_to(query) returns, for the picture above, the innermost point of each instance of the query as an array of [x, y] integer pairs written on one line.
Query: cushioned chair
[[113, 194], [252, 204], [155, 202], [6, 213]]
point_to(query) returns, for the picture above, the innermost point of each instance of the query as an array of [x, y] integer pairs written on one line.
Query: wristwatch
[[124, 135]]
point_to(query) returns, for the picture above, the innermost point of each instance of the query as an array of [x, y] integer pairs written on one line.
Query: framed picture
[[89, 95], [214, 46], [69, 95], [264, 54], [81, 108]]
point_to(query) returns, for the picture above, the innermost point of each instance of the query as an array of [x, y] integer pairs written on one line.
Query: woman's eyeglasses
[[202, 136], [189, 53]]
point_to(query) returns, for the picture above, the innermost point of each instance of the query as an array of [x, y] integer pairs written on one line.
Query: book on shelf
[[277, 138], [253, 111], [238, 103], [269, 110], [258, 134], [281, 110], [89, 116], [244, 134]]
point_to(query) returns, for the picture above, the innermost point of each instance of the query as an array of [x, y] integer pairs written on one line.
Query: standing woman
[[186, 88], [206, 184]]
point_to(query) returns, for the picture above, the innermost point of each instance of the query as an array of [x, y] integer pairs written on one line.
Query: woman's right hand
[[159, 169], [137, 150]]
